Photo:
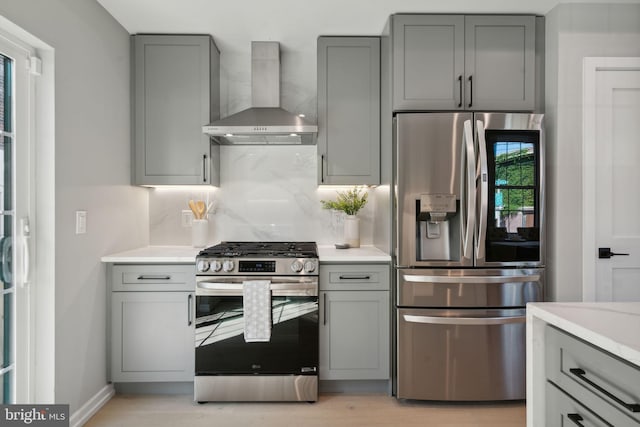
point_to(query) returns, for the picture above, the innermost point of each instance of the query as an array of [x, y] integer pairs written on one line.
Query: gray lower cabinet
[[354, 322], [152, 323], [588, 386], [176, 84], [562, 410], [464, 62], [349, 110]]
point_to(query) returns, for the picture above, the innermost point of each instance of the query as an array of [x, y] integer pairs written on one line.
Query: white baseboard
[[93, 405]]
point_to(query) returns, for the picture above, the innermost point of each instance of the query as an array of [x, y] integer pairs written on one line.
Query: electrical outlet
[[187, 218]]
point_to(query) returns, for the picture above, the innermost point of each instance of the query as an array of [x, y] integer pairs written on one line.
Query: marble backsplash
[[266, 194]]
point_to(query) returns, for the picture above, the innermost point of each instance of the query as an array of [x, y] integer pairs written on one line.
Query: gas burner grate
[[262, 249]]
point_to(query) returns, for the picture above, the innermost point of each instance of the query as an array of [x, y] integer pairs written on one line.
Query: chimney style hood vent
[[265, 122]]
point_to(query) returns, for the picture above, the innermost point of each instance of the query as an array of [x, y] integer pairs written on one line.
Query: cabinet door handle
[[324, 309], [204, 168], [576, 418], [322, 169], [460, 87], [355, 277], [153, 277], [581, 374], [189, 321], [470, 91]]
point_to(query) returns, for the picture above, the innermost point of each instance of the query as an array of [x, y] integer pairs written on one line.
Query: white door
[[15, 228], [611, 258]]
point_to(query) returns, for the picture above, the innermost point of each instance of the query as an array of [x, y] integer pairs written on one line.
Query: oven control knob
[[309, 266], [296, 266], [202, 265], [216, 265], [227, 265]]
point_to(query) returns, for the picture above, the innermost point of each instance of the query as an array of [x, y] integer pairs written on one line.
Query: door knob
[[605, 253]]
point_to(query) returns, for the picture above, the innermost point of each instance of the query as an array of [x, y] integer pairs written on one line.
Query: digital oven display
[[257, 266]]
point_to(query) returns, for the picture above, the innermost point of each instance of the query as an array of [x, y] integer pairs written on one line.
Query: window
[[513, 226], [515, 183]]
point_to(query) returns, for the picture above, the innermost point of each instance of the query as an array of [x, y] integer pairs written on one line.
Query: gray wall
[[575, 31], [92, 173]]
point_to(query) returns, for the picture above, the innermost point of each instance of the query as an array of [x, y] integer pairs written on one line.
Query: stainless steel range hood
[[265, 122]]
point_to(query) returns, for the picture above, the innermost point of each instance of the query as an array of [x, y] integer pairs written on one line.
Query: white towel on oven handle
[[256, 303]]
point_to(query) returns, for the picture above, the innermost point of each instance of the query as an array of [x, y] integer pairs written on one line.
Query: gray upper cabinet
[[176, 81], [349, 110], [457, 62], [500, 62], [428, 63]]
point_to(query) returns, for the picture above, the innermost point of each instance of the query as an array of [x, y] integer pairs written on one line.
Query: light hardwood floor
[[332, 410]]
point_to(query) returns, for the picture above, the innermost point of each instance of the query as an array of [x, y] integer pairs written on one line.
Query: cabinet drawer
[[165, 277], [599, 380], [348, 277], [562, 410]]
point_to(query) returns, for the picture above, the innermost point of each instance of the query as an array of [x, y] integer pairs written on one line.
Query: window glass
[[513, 224]]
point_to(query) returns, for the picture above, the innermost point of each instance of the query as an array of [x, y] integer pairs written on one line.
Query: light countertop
[[612, 326], [155, 254], [187, 255], [361, 254]]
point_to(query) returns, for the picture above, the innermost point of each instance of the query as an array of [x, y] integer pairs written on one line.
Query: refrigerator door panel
[[482, 176], [510, 190], [469, 288], [461, 355], [433, 225]]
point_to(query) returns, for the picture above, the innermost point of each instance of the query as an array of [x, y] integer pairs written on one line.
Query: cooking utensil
[[194, 209], [201, 208]]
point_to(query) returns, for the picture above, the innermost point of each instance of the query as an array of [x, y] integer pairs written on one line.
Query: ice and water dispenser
[[438, 227]]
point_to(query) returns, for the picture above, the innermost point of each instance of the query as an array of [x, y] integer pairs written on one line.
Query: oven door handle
[[465, 321], [304, 289]]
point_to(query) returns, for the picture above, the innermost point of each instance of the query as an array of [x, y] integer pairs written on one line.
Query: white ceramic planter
[[352, 231]]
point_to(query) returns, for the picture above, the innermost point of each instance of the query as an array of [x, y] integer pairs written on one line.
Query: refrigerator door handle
[[483, 177], [469, 211], [465, 321], [471, 279]]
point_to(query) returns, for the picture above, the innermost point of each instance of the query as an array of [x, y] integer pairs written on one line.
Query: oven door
[[220, 346]]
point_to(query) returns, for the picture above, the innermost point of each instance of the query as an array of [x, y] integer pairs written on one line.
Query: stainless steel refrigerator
[[469, 236]]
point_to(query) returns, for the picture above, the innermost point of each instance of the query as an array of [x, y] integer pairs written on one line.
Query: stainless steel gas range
[[257, 322]]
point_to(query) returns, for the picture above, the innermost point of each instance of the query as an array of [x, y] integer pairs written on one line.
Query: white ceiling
[[294, 23]]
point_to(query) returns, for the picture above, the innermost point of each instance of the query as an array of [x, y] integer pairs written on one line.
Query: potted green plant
[[350, 202]]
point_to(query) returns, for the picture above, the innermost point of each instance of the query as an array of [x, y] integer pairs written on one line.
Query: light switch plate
[[187, 218], [81, 222]]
